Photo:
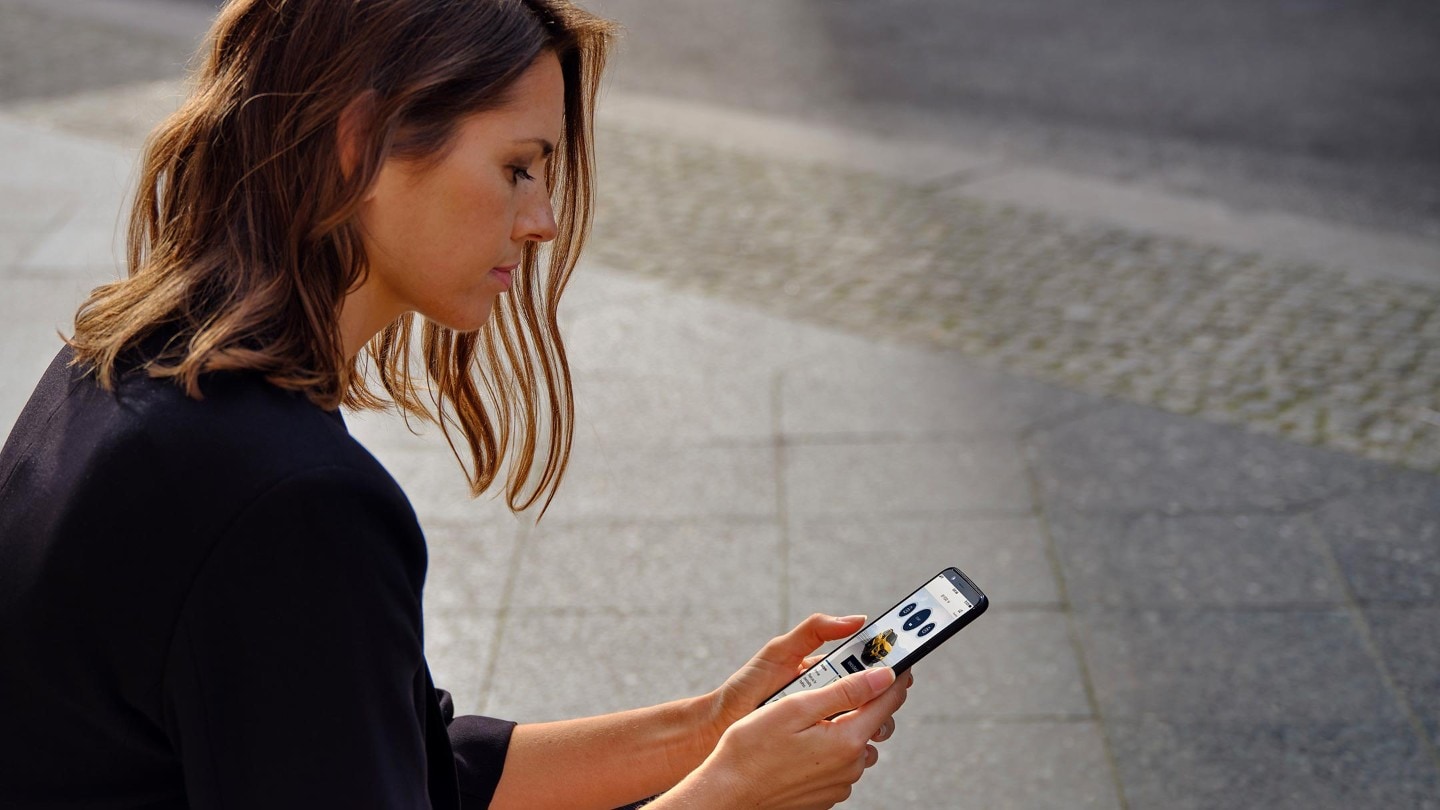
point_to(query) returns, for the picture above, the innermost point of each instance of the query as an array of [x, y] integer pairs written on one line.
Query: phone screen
[[920, 618]]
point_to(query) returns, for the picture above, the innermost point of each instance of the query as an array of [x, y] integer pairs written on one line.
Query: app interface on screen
[[889, 640]]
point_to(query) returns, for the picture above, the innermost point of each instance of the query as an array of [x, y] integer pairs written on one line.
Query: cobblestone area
[[1296, 351], [1292, 350]]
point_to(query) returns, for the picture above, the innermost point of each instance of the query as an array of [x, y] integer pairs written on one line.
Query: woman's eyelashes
[[518, 173]]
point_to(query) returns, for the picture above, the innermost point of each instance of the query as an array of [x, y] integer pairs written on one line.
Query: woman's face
[[443, 238]]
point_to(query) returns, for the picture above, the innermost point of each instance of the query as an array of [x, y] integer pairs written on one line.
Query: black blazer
[[215, 603]]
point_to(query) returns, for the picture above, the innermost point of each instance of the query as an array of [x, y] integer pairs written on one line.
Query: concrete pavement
[[1187, 614]]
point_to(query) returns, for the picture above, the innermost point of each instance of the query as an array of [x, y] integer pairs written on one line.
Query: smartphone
[[905, 633]]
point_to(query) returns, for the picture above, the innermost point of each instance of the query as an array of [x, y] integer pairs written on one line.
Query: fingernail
[[859, 617]]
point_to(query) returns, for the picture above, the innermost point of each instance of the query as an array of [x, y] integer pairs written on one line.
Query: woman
[[209, 594]]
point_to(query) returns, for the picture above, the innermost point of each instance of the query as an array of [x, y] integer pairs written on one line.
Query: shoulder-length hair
[[244, 241]]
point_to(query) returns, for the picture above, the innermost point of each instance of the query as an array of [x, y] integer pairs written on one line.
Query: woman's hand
[[788, 756], [778, 663]]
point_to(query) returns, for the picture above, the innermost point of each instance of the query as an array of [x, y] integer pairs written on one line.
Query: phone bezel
[[978, 601]]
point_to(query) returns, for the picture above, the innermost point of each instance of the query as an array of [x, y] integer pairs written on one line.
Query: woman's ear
[[355, 122]]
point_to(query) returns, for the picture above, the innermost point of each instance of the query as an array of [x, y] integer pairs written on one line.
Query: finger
[[872, 755], [887, 729], [867, 720], [811, 661], [810, 634], [850, 692]]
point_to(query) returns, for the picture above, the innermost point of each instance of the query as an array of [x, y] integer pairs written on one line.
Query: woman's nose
[[536, 222]]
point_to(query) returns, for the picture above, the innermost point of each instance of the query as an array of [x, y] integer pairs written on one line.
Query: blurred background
[[1127, 309]]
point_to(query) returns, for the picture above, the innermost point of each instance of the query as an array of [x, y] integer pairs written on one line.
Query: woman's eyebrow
[[545, 146]]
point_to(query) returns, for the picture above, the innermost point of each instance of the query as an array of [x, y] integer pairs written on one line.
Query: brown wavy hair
[[244, 239]]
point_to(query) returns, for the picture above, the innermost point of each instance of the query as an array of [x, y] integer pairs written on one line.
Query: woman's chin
[[463, 321]]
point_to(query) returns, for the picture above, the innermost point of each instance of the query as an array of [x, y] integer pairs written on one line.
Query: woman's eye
[[519, 173]]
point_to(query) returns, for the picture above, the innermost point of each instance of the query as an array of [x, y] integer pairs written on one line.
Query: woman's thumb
[[850, 692]]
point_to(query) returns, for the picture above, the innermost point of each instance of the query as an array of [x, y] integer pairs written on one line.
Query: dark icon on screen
[[878, 647], [905, 611], [852, 664], [925, 631], [917, 620]]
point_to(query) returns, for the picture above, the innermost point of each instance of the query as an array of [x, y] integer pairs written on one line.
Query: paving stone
[[1005, 556], [563, 665], [653, 483], [892, 390], [897, 478], [1132, 459], [62, 165], [640, 408], [469, 565], [1386, 539], [1409, 641], [650, 568], [614, 324], [1004, 664], [1311, 765], [1228, 667], [1001, 766], [1151, 560], [94, 248], [458, 648], [32, 311]]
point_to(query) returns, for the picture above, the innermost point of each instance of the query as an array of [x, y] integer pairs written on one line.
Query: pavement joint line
[[1000, 719], [963, 177], [919, 437], [523, 532], [1073, 631], [1065, 419], [782, 509], [837, 516], [1351, 607]]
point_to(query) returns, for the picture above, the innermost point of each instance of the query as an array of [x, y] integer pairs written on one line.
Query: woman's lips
[[504, 273]]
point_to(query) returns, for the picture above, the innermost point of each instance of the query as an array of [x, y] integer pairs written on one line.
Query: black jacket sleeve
[[296, 675]]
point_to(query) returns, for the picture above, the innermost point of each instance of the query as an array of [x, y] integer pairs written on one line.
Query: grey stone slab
[[1153, 560], [31, 211], [1279, 667], [1409, 641], [1386, 539], [998, 766], [459, 648], [1016, 665], [892, 390], [896, 478], [1283, 765], [554, 667], [614, 323], [1004, 556], [675, 407], [617, 480], [650, 568], [92, 247], [13, 246], [31, 313], [1129, 458], [469, 565], [41, 159]]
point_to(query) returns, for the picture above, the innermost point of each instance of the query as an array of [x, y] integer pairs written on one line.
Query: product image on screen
[[887, 640]]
